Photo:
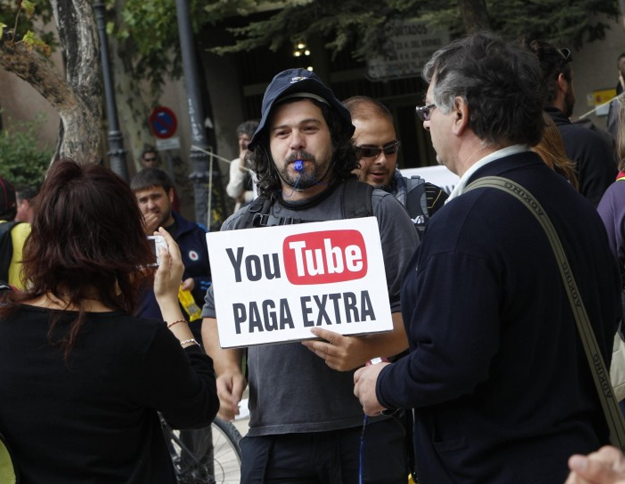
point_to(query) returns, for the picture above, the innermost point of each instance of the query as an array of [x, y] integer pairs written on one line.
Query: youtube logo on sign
[[324, 257]]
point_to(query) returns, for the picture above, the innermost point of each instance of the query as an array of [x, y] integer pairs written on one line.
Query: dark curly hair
[[502, 84], [344, 159]]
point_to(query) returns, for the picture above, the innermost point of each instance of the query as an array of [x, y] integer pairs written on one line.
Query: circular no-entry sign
[[163, 122]]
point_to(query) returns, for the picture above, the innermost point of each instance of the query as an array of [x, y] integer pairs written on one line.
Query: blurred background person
[[81, 379], [24, 196], [154, 194], [592, 153], [241, 183], [13, 234], [612, 205], [377, 148], [149, 158], [613, 110]]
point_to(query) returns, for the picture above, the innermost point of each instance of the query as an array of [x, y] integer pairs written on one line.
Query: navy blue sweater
[[497, 373]]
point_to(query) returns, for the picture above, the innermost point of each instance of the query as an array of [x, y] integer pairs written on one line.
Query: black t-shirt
[[93, 417]]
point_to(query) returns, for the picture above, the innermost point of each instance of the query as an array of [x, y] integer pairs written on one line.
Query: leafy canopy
[[148, 31], [366, 22], [22, 162], [26, 18]]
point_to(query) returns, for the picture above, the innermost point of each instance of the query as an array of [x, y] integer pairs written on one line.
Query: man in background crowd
[[149, 158], [155, 192], [13, 234], [376, 148], [24, 197], [241, 183], [594, 157]]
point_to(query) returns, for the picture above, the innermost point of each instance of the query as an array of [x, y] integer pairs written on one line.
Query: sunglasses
[[374, 151], [149, 159], [566, 54], [424, 112]]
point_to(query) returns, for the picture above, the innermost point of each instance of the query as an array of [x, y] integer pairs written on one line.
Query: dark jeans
[[327, 457]]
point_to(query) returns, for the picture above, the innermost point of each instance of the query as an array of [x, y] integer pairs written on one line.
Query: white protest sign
[[274, 284]]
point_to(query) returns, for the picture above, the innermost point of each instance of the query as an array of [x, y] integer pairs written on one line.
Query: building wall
[[594, 69]]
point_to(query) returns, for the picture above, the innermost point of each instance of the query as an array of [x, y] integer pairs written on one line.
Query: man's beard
[[165, 218], [311, 174]]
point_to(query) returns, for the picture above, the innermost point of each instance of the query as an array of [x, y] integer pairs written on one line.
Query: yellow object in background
[[188, 303]]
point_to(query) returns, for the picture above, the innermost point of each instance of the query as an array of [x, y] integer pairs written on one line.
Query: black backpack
[[356, 203], [6, 248], [417, 203]]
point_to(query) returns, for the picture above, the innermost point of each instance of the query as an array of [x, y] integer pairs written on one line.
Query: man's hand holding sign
[[344, 353]]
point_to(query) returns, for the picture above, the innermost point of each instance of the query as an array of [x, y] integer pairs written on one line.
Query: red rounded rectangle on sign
[[324, 257]]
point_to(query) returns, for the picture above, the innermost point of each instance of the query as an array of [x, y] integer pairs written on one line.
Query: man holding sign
[[305, 422]]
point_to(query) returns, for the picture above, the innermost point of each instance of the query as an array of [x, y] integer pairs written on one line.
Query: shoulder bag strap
[[600, 373]]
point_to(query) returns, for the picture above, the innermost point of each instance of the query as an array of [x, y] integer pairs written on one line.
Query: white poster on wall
[[274, 284]]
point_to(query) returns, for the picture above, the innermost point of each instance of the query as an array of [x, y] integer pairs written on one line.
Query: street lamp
[[206, 176], [117, 153]]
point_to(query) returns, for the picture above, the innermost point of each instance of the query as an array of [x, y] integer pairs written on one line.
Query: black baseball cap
[[294, 83]]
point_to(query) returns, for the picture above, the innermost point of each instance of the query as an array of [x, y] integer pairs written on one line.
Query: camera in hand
[[156, 242]]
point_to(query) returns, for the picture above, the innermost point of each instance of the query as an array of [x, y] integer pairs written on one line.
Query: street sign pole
[[163, 123]]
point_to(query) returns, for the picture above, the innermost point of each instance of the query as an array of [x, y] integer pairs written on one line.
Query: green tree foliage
[[24, 16], [22, 161], [148, 32], [565, 23], [365, 23]]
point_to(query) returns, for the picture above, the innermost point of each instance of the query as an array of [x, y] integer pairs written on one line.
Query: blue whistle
[[298, 165]]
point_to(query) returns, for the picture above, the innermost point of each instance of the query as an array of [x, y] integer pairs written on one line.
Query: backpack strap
[[416, 199], [356, 203], [260, 206], [357, 199]]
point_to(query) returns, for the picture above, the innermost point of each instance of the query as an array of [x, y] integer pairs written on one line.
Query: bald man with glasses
[[376, 148]]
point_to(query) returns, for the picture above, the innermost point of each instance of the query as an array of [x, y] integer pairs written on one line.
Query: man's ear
[[170, 195], [563, 84], [460, 115]]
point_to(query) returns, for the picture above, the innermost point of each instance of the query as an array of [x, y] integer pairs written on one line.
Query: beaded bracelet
[[169, 325], [192, 340]]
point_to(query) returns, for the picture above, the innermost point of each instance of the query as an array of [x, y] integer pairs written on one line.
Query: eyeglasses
[[374, 151], [566, 54], [149, 159], [424, 111]]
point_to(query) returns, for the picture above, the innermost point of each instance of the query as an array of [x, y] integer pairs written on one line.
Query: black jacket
[[596, 164]]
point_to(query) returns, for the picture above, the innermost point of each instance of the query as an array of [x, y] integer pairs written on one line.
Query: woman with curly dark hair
[[81, 379]]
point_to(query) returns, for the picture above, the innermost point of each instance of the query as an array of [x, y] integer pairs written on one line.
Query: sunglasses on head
[[374, 151], [424, 112], [566, 54]]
